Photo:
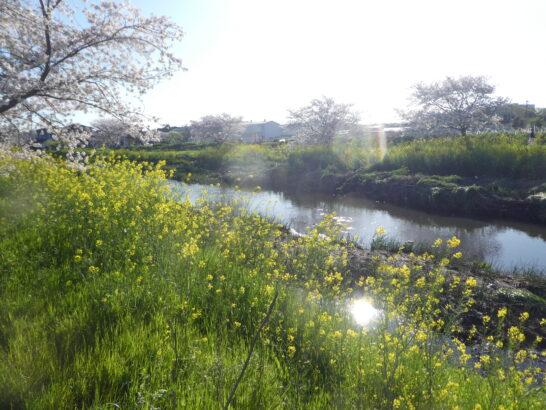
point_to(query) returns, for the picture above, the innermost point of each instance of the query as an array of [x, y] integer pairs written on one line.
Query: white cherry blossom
[[58, 57]]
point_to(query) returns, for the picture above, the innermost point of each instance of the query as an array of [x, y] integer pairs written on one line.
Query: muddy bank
[[451, 196]]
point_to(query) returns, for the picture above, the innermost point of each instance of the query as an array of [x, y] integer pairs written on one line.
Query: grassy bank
[[495, 156], [114, 293], [499, 156], [208, 162], [495, 175]]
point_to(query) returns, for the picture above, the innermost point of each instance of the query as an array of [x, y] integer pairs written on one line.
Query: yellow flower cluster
[[213, 269]]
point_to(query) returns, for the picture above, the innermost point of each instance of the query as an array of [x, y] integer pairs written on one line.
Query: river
[[504, 244]]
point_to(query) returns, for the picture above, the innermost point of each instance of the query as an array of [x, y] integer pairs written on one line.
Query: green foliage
[[499, 156], [204, 160], [357, 152], [115, 293], [490, 155], [209, 161], [316, 158]]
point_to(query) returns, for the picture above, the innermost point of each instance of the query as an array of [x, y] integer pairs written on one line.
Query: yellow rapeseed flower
[[437, 243], [453, 242], [515, 335], [485, 359]]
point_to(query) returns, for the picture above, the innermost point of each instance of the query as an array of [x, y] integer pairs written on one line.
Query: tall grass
[[489, 155], [228, 161], [115, 294], [499, 156]]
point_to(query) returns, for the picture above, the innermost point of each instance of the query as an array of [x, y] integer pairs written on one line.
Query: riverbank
[[114, 291], [496, 176], [508, 246], [519, 200], [484, 198]]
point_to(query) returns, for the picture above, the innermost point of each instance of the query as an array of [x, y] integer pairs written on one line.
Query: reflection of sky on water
[[505, 244]]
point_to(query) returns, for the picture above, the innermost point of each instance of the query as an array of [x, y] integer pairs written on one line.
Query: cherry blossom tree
[[321, 120], [216, 128], [112, 132], [58, 57], [458, 105]]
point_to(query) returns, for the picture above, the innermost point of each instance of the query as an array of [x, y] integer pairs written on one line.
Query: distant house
[[254, 132], [78, 128], [168, 128], [174, 134], [41, 137]]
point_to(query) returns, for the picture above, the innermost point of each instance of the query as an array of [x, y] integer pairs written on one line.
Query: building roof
[[247, 123]]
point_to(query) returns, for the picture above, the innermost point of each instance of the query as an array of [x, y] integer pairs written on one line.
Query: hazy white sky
[[257, 58]]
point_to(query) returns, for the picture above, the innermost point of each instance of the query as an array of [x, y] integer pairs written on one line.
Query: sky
[[259, 58]]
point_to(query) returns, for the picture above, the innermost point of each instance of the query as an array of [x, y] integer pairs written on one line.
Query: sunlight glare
[[363, 312]]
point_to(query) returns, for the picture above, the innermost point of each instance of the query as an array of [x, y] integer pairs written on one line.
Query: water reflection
[[504, 244], [363, 312]]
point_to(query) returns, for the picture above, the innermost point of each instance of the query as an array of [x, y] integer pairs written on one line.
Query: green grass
[[498, 160], [113, 293], [505, 157], [208, 162], [497, 156]]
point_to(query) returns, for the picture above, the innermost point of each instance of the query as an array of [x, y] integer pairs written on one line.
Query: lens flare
[[363, 312]]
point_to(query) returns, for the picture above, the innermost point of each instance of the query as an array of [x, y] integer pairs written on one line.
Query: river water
[[504, 244]]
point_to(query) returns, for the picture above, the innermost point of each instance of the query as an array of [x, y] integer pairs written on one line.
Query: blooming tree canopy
[[455, 105], [216, 128], [57, 58], [112, 132], [321, 120]]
